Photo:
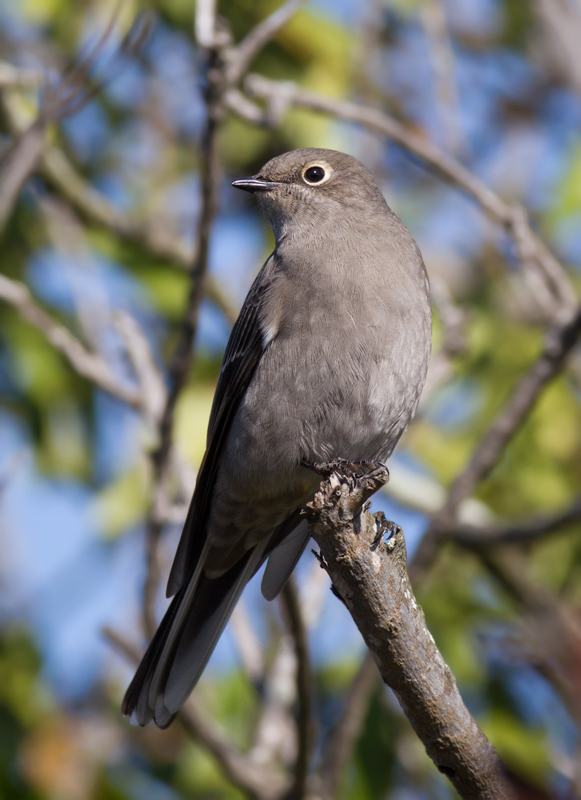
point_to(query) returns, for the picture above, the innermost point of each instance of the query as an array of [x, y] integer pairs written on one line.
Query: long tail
[[184, 642]]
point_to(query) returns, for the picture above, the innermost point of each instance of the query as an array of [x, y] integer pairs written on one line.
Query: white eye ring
[[327, 172]]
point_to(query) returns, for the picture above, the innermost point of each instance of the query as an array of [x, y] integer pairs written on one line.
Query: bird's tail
[[184, 642]]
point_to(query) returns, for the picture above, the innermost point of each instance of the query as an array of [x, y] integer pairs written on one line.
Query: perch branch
[[370, 576]]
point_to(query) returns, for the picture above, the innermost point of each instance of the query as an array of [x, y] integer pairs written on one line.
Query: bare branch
[[259, 782], [18, 164], [343, 736], [282, 95], [87, 364], [247, 642], [146, 370], [290, 603], [442, 56], [205, 23], [527, 532], [241, 57], [18, 77], [371, 578], [96, 208], [559, 342]]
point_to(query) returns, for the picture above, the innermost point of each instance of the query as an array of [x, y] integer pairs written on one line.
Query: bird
[[327, 360]]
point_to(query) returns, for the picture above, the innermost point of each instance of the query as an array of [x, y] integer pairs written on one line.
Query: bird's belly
[[313, 403]]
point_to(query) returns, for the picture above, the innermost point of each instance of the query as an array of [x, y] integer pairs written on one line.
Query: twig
[[18, 164], [259, 782], [16, 77], [559, 342], [220, 80], [370, 576], [275, 731], [282, 95], [343, 736], [182, 357], [96, 208], [241, 57], [296, 625], [85, 363], [247, 642], [442, 56], [537, 528], [66, 98], [146, 370], [550, 631]]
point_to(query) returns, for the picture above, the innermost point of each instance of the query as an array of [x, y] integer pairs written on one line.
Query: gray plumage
[[327, 360]]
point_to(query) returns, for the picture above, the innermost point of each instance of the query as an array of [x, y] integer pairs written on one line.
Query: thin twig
[[559, 342], [290, 603], [84, 362], [343, 736], [260, 783], [18, 164], [527, 532], [241, 57], [551, 635], [17, 77], [95, 207], [66, 98], [442, 57], [182, 356]]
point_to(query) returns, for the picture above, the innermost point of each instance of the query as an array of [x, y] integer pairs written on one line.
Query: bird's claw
[[349, 470]]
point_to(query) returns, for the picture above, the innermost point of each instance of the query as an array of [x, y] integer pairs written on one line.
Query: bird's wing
[[244, 350]]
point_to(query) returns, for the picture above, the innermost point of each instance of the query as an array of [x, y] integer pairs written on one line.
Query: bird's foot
[[350, 471]]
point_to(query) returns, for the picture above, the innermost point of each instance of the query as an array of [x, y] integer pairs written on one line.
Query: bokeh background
[[495, 83]]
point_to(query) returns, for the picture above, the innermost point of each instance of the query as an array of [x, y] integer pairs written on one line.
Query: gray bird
[[327, 360]]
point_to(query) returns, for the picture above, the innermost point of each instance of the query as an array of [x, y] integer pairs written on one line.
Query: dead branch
[[370, 576]]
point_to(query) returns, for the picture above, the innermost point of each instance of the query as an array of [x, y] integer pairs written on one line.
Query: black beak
[[254, 184]]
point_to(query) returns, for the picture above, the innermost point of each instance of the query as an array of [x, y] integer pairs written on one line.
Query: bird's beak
[[254, 184]]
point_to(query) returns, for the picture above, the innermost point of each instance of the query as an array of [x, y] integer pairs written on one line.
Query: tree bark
[[369, 574]]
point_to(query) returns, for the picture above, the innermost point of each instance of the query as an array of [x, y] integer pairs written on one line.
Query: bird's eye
[[314, 174]]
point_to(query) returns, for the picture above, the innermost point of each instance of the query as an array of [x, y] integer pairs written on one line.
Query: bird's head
[[313, 185]]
